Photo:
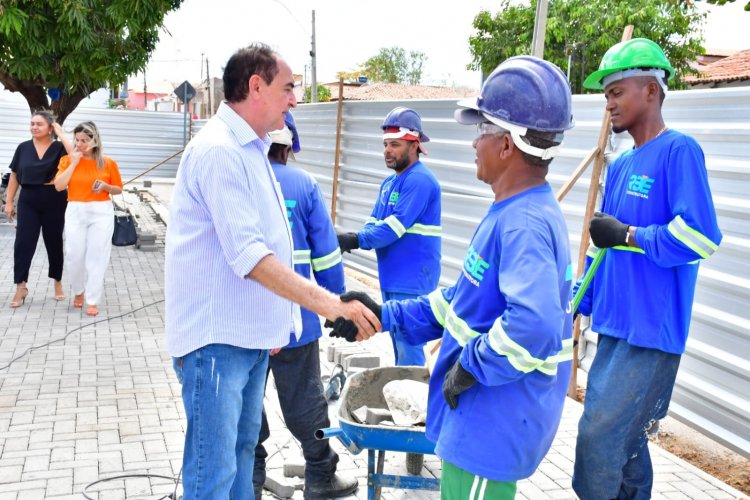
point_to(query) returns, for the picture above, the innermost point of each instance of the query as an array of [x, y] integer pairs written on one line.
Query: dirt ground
[[702, 452]]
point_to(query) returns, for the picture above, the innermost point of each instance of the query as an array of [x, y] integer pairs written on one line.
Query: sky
[[349, 32]]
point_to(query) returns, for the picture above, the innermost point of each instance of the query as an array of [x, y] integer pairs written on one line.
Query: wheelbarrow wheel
[[414, 463]]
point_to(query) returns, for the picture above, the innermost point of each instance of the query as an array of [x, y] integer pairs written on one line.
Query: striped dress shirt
[[227, 213]]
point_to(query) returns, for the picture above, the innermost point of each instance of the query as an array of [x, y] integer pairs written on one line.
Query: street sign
[[185, 91]]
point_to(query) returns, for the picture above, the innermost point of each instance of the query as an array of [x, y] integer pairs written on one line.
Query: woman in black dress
[[40, 205]]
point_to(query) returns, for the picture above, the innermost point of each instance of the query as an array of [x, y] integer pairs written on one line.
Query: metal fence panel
[[713, 385], [136, 140]]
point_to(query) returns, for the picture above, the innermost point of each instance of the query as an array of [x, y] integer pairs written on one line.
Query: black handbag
[[124, 234]]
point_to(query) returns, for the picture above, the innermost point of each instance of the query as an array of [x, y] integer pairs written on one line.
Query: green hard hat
[[635, 53]]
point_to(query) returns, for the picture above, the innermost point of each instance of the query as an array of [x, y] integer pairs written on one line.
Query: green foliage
[[724, 2], [585, 29], [394, 65], [324, 94], [77, 46]]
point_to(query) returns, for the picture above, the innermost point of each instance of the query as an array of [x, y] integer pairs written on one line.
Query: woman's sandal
[[78, 301], [19, 298], [92, 310], [59, 293]]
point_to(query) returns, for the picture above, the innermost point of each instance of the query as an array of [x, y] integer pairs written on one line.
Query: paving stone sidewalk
[[86, 399]]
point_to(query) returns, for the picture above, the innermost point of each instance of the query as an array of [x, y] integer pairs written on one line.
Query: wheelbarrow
[[366, 389]]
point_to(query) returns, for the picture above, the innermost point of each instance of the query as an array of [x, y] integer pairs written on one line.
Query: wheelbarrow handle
[[337, 432]]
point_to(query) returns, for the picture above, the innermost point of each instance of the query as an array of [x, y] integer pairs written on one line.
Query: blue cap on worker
[[523, 93], [289, 121], [404, 123]]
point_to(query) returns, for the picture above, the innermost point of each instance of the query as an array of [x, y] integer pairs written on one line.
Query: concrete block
[[278, 486], [343, 353], [360, 414], [377, 415], [361, 361], [294, 470]]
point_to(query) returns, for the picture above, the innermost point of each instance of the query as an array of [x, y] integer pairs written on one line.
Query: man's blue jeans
[[222, 390], [405, 353], [628, 387]]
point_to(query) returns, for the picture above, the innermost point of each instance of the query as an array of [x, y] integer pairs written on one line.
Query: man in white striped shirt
[[231, 293]]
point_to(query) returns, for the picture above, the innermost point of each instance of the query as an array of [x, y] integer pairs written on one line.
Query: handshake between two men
[[346, 328]]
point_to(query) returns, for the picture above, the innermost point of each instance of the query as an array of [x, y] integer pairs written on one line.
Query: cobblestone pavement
[[86, 399]]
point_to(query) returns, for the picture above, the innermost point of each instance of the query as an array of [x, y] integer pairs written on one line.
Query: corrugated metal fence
[[713, 389], [713, 385], [136, 140]]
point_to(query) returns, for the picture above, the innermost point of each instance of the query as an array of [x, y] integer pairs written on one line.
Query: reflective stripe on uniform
[[691, 238], [425, 230], [499, 341], [520, 358], [301, 257], [398, 228], [327, 261], [395, 224]]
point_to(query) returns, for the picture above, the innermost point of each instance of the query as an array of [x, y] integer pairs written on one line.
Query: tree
[[724, 2], [394, 65], [324, 94], [68, 49], [581, 31]]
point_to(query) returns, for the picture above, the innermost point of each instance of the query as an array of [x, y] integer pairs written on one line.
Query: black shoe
[[335, 487]]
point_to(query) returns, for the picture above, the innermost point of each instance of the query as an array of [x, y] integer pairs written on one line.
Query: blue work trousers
[[628, 387], [296, 372], [406, 354], [222, 390]]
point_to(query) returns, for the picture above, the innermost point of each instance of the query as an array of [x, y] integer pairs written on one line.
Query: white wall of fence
[[713, 387], [136, 140]]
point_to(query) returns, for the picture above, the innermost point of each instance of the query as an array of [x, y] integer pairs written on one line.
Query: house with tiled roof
[[731, 71], [395, 91]]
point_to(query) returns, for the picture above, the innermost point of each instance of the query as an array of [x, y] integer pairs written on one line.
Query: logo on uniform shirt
[[290, 204], [393, 199], [474, 266], [639, 185]]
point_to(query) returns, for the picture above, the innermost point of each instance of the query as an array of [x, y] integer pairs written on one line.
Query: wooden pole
[[596, 173], [334, 191], [580, 169]]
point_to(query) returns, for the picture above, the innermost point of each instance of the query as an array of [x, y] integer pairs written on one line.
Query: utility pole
[[313, 79], [145, 92], [210, 91], [540, 29]]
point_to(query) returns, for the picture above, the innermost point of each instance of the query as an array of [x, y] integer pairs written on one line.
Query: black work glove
[[348, 241], [606, 231], [366, 300], [343, 328], [457, 380]]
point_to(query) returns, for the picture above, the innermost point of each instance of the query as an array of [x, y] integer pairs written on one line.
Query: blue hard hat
[[524, 91], [289, 122], [405, 118]]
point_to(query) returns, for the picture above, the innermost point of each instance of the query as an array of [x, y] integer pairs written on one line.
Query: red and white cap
[[405, 134]]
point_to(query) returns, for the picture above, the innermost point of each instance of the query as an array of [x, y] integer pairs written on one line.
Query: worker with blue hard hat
[[404, 226], [500, 379], [296, 367], [658, 221]]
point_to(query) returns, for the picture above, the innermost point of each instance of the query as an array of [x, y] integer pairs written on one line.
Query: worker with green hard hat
[[658, 221]]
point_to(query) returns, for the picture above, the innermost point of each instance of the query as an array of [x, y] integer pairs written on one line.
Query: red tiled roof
[[397, 91], [731, 68]]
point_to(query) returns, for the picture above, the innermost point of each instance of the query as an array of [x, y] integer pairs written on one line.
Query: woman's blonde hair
[[89, 128]]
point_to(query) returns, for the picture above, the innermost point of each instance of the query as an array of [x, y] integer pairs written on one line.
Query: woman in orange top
[[90, 179]]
